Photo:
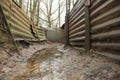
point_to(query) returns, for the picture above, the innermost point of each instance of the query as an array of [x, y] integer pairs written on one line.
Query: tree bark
[[21, 3], [59, 13], [38, 12]]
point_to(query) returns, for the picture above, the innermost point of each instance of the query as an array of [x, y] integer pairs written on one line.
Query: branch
[[43, 12], [54, 19], [43, 19], [54, 11]]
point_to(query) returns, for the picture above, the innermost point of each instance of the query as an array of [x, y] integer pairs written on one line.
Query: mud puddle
[[42, 65]]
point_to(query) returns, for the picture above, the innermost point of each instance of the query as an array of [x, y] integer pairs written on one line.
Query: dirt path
[[50, 61]]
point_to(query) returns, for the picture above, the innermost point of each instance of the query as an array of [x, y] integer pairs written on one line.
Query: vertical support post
[[66, 31], [67, 23], [87, 25]]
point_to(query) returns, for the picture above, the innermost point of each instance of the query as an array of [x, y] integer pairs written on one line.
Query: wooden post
[[67, 23], [87, 25]]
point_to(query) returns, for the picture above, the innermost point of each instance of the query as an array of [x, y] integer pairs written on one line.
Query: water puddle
[[42, 65]]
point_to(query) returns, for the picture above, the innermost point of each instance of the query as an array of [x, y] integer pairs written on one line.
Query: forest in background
[[45, 13]]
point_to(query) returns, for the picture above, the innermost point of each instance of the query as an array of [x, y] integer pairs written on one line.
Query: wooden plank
[[114, 56]]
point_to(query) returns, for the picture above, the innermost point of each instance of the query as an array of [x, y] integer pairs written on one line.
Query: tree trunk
[[31, 9], [21, 3], [38, 12], [34, 9], [27, 6], [59, 14], [73, 2]]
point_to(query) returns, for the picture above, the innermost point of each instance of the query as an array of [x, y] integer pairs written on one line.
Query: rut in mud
[[39, 63]]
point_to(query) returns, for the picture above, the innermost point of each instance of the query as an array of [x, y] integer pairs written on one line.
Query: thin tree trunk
[[59, 13], [31, 9], [34, 9], [28, 6], [49, 21], [73, 2], [21, 3], [38, 12]]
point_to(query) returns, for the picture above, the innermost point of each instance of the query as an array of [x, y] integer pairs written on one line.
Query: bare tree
[[44, 11], [33, 9], [61, 7], [49, 13]]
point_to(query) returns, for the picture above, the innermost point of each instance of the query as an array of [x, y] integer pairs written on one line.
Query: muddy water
[[41, 65]]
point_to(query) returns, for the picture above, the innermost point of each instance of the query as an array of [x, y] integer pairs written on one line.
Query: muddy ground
[[51, 61]]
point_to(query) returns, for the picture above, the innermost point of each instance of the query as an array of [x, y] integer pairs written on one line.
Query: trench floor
[[51, 61]]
